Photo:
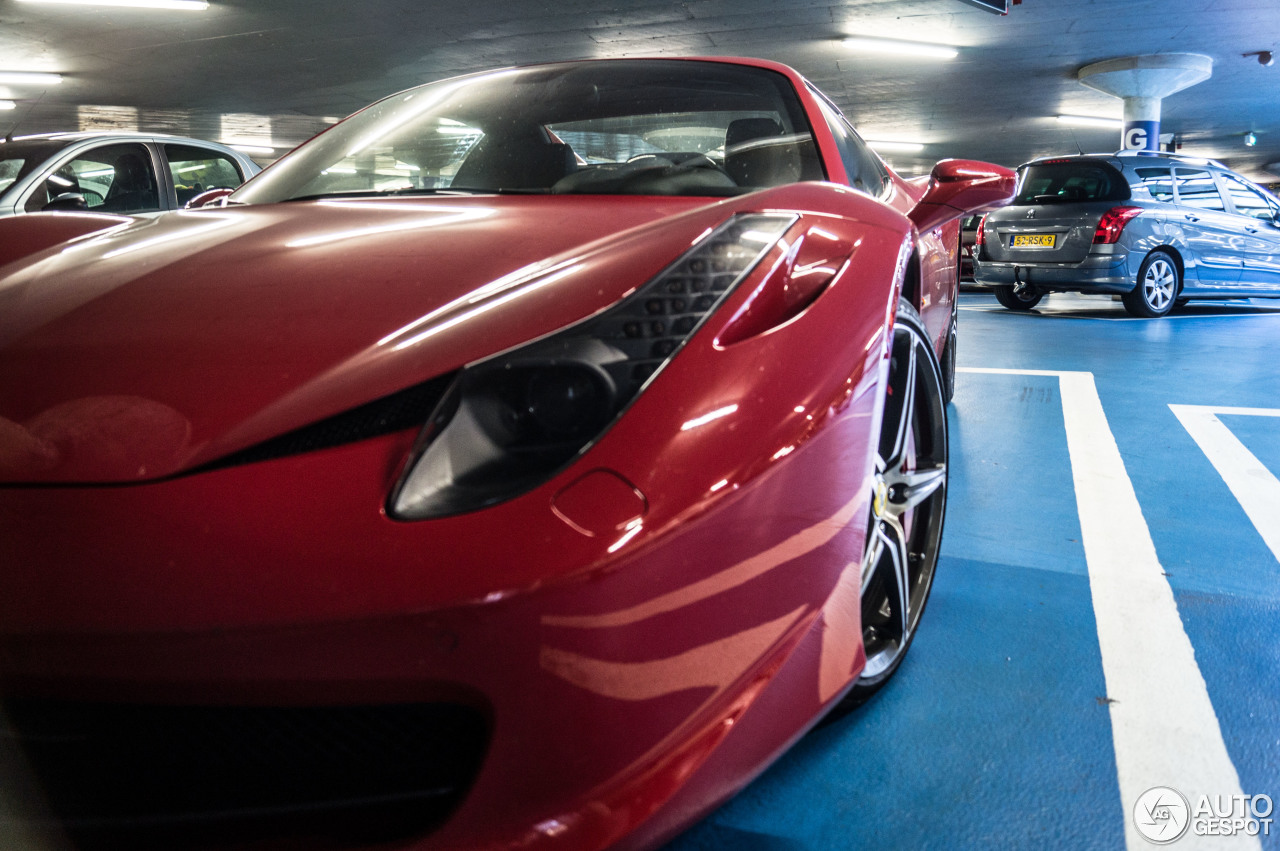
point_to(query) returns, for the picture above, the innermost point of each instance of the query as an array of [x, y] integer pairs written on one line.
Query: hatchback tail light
[[977, 238], [1112, 224]]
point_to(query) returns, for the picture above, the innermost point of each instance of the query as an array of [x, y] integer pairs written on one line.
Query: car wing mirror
[[209, 198], [66, 201], [959, 187]]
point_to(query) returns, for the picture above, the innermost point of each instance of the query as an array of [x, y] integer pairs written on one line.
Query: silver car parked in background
[[109, 172], [1155, 229]]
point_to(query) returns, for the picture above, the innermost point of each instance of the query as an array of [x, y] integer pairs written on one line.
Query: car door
[[1257, 216], [1212, 234], [118, 177]]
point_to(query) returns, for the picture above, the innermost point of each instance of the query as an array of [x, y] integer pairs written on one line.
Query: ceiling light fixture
[[1250, 139], [31, 78], [896, 145], [1091, 121], [8, 104], [901, 49], [181, 5]]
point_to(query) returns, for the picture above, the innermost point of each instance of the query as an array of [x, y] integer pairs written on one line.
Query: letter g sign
[[1141, 136]]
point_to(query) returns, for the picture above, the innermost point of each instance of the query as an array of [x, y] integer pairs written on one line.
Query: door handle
[[1189, 217], [1251, 230]]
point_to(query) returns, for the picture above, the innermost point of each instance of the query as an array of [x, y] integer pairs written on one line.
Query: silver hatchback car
[[109, 172], [1156, 229]]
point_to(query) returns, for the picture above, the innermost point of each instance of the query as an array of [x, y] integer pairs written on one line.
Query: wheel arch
[[911, 280], [1178, 262]]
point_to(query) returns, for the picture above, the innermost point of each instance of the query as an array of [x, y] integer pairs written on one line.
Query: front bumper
[[1100, 272]]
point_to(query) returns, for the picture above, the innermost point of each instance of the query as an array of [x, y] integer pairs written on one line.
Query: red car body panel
[[686, 580]]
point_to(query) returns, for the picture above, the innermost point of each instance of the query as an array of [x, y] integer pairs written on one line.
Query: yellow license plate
[[1039, 240]]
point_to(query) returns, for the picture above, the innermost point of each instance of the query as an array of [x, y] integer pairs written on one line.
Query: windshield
[[1068, 181], [668, 127]]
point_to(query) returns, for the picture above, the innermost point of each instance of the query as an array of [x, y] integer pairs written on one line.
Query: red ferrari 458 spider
[[523, 462]]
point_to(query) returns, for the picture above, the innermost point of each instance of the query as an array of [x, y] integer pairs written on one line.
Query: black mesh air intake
[[174, 777]]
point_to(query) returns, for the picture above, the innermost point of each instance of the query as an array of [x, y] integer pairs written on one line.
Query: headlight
[[511, 422]]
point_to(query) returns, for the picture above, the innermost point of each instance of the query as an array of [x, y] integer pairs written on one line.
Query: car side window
[[196, 170], [860, 163], [1158, 181], [1249, 201], [1197, 189], [111, 178]]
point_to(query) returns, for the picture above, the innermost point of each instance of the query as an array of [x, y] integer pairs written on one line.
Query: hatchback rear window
[[1070, 181]]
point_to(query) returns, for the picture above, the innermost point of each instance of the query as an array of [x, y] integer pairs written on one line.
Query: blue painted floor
[[996, 733]]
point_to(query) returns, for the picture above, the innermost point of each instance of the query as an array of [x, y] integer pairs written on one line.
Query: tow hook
[[1020, 286]]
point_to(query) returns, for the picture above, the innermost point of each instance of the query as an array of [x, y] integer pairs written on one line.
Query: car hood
[[163, 344]]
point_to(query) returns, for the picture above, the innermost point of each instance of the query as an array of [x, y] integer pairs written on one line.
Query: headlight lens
[[511, 422]]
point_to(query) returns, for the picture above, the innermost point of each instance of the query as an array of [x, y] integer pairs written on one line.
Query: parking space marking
[[1164, 729], [1253, 485]]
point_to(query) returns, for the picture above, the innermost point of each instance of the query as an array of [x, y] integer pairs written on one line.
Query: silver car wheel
[[1159, 285]]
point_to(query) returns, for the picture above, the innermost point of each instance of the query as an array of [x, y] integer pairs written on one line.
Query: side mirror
[[209, 198], [67, 201], [960, 187]]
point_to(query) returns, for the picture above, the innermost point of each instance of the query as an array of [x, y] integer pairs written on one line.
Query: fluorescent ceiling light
[[184, 5], [905, 49], [895, 145], [8, 104], [33, 78], [1091, 121]]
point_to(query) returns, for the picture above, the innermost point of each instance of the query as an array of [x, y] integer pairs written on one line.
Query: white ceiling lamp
[[901, 49], [179, 5], [895, 145], [29, 78], [1091, 121], [7, 104]]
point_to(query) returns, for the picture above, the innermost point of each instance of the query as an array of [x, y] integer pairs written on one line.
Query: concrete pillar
[[1143, 82]]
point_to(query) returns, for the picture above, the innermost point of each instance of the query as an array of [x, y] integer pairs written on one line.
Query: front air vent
[[204, 777], [405, 409]]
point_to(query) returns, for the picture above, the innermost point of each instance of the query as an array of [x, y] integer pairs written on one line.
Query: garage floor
[[1106, 615]]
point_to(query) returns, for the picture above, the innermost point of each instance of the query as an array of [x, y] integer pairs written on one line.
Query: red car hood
[[160, 345], [144, 350]]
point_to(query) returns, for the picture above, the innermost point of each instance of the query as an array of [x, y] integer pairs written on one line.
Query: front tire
[[1156, 291], [908, 506], [1022, 297]]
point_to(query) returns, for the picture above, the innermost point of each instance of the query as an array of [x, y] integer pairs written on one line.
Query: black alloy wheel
[[908, 506], [1157, 287], [1018, 296]]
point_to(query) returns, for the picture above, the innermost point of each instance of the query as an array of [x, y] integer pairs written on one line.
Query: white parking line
[[1163, 725], [1256, 487]]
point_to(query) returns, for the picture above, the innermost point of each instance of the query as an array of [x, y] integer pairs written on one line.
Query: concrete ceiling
[[273, 71]]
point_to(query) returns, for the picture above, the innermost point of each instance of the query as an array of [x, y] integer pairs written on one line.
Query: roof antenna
[[1076, 141], [13, 128]]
